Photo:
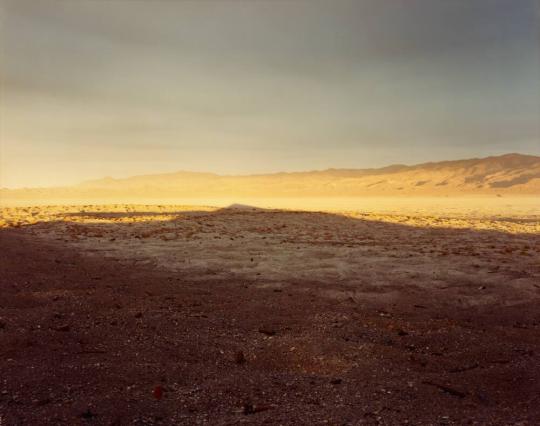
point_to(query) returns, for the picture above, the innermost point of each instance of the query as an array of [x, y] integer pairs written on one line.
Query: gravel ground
[[92, 334]]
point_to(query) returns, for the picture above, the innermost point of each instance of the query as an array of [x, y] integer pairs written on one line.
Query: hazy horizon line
[[271, 173]]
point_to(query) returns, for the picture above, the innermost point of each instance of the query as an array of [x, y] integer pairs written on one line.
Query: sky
[[93, 88]]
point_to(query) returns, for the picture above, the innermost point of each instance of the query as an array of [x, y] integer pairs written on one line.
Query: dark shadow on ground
[[88, 339]]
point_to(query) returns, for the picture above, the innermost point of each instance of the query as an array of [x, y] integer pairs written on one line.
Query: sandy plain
[[379, 312]]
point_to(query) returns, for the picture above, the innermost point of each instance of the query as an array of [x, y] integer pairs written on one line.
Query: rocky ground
[[178, 315]]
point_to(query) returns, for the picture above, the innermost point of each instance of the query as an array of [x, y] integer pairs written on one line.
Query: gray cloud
[[296, 77]]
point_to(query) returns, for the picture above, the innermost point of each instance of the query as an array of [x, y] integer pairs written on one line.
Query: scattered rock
[[267, 331], [44, 401], [158, 392], [466, 368], [250, 408], [88, 415], [515, 325], [239, 357], [446, 389]]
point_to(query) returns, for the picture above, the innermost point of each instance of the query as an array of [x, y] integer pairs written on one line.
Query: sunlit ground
[[517, 214], [496, 246], [471, 205], [412, 296]]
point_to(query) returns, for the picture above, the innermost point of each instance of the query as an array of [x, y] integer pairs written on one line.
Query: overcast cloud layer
[[94, 88]]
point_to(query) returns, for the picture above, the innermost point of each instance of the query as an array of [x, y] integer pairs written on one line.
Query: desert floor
[[146, 314]]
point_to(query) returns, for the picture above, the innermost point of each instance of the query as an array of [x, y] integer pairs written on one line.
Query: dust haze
[[269, 212]]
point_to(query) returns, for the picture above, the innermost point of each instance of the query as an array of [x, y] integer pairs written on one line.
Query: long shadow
[[510, 254], [117, 325], [239, 209], [461, 261]]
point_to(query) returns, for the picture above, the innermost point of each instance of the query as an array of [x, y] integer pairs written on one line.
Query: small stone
[[88, 414], [250, 408], [267, 331], [158, 392], [41, 402], [239, 357]]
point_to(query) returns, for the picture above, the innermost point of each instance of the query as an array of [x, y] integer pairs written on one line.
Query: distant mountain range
[[510, 174]]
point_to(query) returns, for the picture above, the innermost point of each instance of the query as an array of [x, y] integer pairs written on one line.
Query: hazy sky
[[121, 87]]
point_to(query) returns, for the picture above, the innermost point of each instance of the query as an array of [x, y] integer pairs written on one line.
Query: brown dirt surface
[[131, 316]]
